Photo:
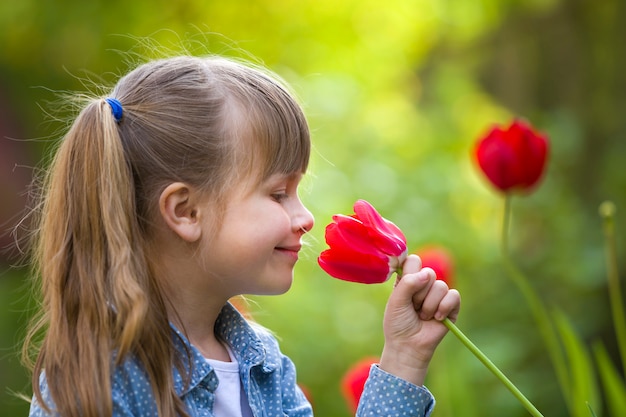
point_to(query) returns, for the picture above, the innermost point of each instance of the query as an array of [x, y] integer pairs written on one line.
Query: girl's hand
[[412, 323]]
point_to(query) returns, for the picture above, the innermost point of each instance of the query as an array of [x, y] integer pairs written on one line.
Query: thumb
[[412, 289]]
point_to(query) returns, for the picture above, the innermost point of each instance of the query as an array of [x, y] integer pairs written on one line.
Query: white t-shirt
[[230, 398]]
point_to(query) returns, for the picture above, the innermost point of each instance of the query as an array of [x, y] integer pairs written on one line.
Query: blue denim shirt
[[268, 378]]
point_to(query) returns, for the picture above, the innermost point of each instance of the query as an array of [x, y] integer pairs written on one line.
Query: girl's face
[[259, 238]]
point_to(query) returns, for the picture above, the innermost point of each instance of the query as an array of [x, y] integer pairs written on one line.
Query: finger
[[449, 306], [427, 277], [430, 305], [411, 289], [411, 265]]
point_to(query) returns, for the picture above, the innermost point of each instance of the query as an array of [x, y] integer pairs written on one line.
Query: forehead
[[265, 144]]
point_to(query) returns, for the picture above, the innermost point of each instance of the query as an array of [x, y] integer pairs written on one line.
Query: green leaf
[[614, 386], [584, 387], [593, 413]]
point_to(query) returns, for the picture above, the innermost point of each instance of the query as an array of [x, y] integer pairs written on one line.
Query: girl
[[164, 200]]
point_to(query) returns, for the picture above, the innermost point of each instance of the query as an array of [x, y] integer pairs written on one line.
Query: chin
[[279, 289], [282, 290]]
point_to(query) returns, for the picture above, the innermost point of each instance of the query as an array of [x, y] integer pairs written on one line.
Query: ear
[[178, 207]]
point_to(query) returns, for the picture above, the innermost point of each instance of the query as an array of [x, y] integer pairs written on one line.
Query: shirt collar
[[241, 337]]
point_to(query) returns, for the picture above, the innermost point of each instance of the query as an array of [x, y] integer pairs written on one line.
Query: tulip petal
[[388, 237], [495, 158], [348, 231], [531, 150], [353, 266]]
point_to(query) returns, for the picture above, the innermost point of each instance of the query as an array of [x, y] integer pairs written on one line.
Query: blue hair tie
[[116, 108]]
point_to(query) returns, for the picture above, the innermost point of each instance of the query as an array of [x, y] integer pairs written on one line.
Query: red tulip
[[353, 382], [364, 247], [439, 260], [513, 159]]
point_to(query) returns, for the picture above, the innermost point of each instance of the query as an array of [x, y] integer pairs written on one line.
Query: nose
[[302, 220]]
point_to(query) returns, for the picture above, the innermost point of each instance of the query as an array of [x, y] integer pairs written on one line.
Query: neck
[[194, 309], [197, 322], [194, 301]]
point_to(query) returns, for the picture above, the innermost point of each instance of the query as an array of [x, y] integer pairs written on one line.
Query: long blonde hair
[[100, 298]]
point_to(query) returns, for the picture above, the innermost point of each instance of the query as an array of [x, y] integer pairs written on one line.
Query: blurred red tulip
[[514, 158], [353, 381], [364, 247], [439, 260]]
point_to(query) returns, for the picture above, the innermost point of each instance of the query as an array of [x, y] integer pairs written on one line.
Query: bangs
[[281, 137], [272, 134]]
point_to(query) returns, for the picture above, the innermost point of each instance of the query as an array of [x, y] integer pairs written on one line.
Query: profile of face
[[260, 237]]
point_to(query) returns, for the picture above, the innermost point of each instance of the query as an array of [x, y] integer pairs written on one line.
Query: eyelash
[[279, 197]]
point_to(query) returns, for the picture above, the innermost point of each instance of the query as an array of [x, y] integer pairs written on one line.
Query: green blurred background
[[396, 93]]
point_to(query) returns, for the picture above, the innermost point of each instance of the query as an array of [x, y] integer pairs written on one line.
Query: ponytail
[[89, 257]]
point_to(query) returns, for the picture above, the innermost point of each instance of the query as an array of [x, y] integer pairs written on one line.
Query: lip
[[291, 251]]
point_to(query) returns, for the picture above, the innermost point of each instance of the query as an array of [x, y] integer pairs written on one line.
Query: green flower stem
[[607, 211], [493, 368], [538, 310], [506, 220], [485, 360]]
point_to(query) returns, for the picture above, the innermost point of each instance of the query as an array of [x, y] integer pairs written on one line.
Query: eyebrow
[[287, 175]]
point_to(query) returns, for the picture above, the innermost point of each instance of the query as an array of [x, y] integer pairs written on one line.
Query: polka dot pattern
[[268, 378], [387, 395]]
